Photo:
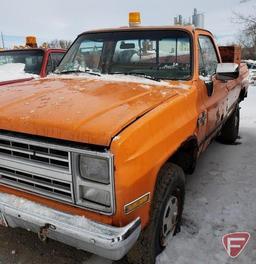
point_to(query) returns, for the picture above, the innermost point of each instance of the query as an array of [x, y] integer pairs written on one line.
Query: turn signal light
[[128, 208]]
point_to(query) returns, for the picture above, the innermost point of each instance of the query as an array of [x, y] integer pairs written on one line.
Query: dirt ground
[[21, 247]]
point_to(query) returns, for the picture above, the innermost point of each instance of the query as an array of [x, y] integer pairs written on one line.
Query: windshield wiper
[[68, 71], [89, 71], [139, 74]]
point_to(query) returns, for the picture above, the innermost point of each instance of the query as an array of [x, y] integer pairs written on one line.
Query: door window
[[56, 58], [208, 59]]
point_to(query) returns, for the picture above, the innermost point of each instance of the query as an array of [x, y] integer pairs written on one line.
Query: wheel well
[[186, 155], [242, 95]]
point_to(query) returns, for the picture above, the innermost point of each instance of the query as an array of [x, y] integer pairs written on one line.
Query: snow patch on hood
[[14, 71], [180, 86], [111, 78]]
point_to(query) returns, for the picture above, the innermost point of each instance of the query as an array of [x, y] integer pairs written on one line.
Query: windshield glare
[[159, 54], [32, 60]]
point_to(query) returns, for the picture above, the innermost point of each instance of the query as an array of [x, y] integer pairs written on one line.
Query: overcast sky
[[51, 19]]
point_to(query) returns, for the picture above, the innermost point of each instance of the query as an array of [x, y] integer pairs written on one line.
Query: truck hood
[[88, 110]]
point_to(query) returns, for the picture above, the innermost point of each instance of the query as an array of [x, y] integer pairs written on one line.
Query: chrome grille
[[45, 155], [39, 184], [36, 167]]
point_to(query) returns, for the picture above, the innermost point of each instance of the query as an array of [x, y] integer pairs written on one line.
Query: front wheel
[[166, 213]]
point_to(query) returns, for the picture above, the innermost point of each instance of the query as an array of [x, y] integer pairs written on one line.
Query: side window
[[53, 61], [49, 67], [208, 58], [57, 57]]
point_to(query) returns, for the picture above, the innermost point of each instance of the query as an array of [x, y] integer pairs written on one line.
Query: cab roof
[[189, 28], [34, 49]]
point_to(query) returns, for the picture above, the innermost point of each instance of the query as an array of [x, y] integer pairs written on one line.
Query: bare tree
[[63, 44], [247, 36]]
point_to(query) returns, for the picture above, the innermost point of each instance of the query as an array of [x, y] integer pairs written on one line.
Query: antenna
[[2, 37]]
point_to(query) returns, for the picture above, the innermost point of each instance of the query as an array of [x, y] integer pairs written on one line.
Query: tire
[[169, 194], [230, 130]]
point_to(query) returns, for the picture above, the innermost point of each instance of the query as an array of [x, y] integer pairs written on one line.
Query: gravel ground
[[220, 199], [19, 247]]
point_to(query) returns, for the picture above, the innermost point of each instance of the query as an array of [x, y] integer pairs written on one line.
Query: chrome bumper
[[104, 240]]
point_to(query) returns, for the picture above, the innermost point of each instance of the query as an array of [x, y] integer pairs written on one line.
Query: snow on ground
[[250, 61], [14, 71]]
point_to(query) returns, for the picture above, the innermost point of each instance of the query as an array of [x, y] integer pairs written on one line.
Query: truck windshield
[[32, 59], [164, 54]]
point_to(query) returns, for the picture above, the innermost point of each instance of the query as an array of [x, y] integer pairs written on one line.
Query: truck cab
[[18, 65], [96, 155]]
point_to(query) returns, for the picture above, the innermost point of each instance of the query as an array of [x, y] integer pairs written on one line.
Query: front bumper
[[104, 240]]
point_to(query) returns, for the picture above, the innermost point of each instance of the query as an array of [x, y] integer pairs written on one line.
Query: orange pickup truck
[[96, 155]]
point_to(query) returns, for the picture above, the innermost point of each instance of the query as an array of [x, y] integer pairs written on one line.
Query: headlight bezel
[[79, 181]]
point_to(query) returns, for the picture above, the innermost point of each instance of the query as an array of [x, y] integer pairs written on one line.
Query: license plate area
[[2, 220]]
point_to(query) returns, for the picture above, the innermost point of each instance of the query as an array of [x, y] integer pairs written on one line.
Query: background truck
[[96, 155], [252, 71], [23, 64]]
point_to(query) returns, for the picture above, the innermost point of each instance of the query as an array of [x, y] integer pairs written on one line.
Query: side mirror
[[227, 71], [208, 81]]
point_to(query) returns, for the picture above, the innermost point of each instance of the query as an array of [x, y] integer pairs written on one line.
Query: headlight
[[93, 174], [94, 169]]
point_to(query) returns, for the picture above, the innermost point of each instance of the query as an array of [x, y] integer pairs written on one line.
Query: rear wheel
[[230, 130], [166, 213]]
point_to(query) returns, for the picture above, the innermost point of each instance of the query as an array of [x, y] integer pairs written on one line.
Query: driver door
[[214, 92]]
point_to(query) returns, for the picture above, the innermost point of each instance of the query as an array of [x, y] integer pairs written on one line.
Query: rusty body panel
[[141, 125]]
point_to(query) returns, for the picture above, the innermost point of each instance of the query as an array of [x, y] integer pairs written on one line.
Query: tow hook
[[44, 230]]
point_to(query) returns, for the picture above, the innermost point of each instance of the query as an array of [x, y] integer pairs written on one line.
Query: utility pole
[[2, 37]]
